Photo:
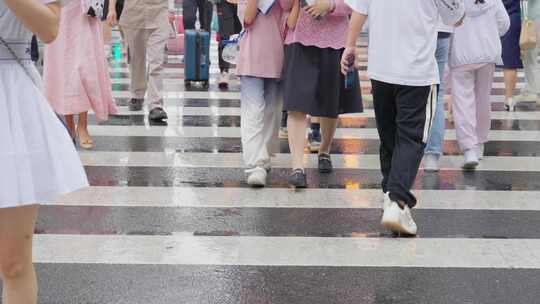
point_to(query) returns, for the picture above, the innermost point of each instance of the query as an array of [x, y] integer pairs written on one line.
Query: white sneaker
[[283, 133], [256, 177], [480, 151], [431, 163], [510, 105], [471, 159], [386, 202], [224, 80], [399, 220]]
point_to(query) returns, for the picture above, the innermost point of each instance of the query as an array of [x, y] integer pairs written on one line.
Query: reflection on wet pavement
[[169, 218]]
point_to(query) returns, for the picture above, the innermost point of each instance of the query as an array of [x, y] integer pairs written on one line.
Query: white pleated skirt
[[38, 161]]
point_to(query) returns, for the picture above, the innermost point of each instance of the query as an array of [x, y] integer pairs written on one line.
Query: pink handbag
[[175, 44], [179, 24]]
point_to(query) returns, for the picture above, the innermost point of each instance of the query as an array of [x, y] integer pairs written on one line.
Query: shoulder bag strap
[[16, 58]]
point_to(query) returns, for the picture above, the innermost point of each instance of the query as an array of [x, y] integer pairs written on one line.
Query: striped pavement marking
[[235, 160], [336, 252], [207, 197], [63, 243]]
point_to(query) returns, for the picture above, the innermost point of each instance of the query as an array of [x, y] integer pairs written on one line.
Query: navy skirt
[[313, 83], [511, 53]]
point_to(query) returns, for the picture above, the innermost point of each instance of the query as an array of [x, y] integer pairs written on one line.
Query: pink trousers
[[471, 88]]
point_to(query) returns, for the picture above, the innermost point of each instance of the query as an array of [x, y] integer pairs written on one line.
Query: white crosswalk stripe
[[191, 172]]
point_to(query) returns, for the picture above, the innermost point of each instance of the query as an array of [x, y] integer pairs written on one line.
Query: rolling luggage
[[197, 57]]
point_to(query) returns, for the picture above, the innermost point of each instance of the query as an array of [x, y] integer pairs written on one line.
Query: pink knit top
[[328, 32]]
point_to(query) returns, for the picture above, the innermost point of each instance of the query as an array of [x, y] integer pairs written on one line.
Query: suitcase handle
[[198, 48]]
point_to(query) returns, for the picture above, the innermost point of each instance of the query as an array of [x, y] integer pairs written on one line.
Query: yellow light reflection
[[352, 185]]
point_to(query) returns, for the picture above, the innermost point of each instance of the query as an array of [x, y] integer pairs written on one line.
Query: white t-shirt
[[403, 37]]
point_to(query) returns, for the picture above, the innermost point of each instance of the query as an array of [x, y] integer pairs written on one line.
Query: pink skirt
[[76, 75]]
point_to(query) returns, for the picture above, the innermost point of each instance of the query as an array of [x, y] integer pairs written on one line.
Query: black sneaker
[[325, 163], [157, 114], [298, 179], [136, 104]]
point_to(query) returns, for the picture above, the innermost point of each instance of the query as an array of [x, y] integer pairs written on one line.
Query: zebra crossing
[[169, 218]]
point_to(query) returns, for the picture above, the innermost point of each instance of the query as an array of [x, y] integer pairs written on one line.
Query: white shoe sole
[[397, 228]]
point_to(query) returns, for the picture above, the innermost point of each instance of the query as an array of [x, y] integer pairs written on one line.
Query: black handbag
[[34, 49]]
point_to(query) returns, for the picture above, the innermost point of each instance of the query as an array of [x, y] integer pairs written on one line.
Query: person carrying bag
[[527, 38]]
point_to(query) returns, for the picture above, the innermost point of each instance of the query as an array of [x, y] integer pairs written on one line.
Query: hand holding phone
[[316, 8], [349, 76]]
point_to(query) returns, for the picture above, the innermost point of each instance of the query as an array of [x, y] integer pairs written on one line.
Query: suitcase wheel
[[187, 83], [206, 84]]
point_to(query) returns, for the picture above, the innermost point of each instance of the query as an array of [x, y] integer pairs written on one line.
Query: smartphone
[[305, 3], [349, 78]]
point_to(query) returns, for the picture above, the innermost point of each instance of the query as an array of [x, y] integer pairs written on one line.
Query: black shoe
[[325, 163], [136, 104], [298, 179], [157, 114]]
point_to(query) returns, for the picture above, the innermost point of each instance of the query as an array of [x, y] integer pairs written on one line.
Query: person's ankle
[[324, 152]]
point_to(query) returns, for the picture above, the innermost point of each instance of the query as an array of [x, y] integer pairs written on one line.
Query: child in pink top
[[312, 80], [260, 62]]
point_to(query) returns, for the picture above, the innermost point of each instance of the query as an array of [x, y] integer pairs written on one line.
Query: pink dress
[[76, 76]]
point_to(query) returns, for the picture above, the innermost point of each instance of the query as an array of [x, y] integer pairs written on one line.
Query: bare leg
[[328, 129], [71, 125], [510, 79], [296, 125], [16, 268], [82, 131]]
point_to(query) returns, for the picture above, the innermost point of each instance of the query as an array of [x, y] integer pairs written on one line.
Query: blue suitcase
[[197, 57]]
